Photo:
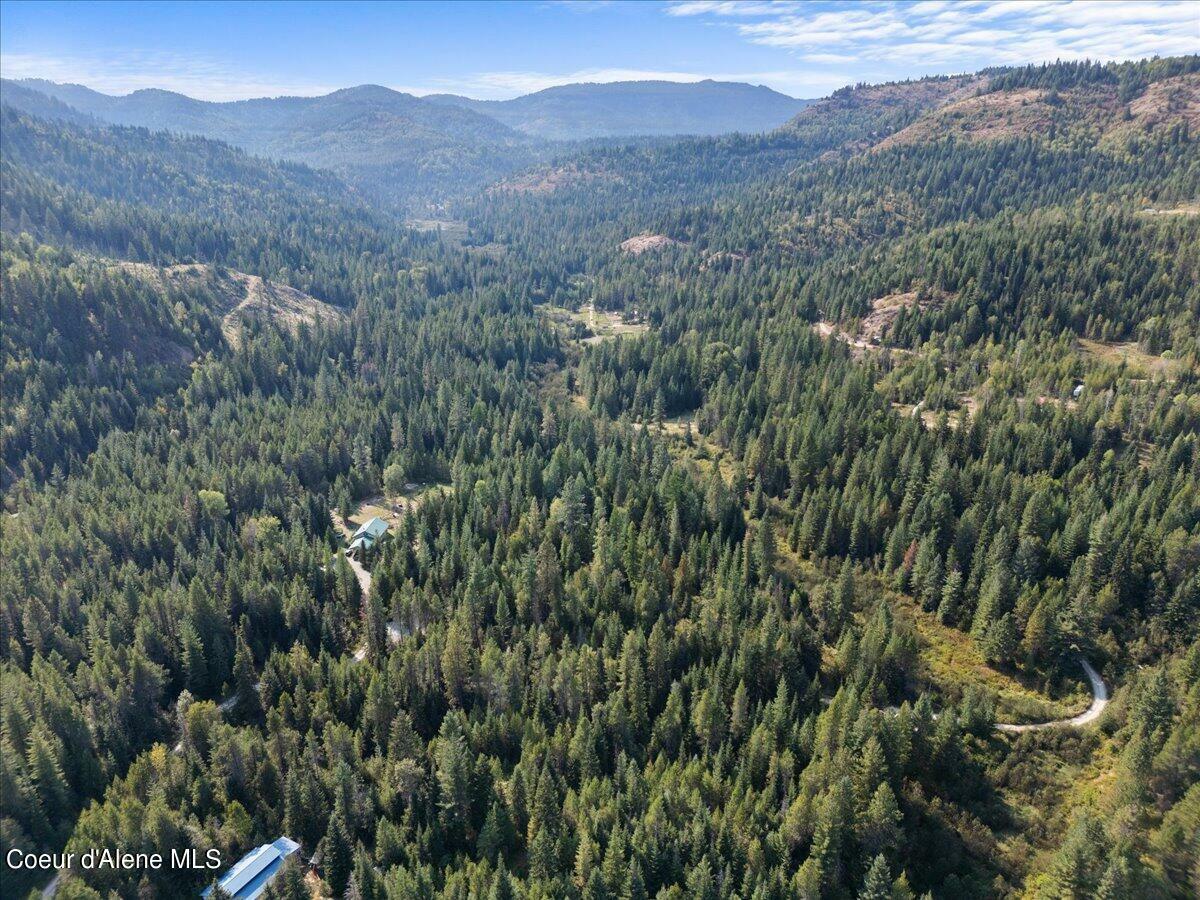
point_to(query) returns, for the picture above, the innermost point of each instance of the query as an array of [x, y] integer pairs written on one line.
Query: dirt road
[[1091, 714]]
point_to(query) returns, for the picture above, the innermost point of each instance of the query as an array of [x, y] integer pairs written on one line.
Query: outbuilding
[[252, 873]]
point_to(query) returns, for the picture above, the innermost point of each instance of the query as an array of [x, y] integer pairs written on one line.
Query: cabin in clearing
[[368, 535]]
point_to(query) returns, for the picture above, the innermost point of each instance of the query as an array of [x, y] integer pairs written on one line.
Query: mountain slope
[[1094, 112], [241, 301], [84, 345], [855, 117], [1018, 425], [28, 98], [1084, 103], [161, 198], [581, 111]]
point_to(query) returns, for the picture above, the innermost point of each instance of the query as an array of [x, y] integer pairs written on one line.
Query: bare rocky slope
[[247, 299]]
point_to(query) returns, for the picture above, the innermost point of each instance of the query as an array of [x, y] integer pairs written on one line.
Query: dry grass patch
[[1129, 354], [1094, 110], [1162, 105], [547, 181], [1001, 114], [1168, 101], [968, 406], [681, 426], [452, 230]]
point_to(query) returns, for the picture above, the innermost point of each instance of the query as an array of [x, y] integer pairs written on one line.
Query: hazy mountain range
[[405, 149], [575, 111]]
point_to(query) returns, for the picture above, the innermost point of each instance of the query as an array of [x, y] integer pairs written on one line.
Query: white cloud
[[124, 71], [731, 7], [962, 35], [834, 58]]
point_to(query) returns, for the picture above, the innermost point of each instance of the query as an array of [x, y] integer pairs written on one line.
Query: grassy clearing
[[1186, 208], [677, 427], [1043, 778], [390, 509], [951, 662], [930, 416], [1127, 353], [799, 571], [589, 325], [552, 387], [686, 443], [552, 383], [453, 231], [949, 659]]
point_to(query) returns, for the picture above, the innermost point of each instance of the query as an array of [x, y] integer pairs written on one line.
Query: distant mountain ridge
[[654, 108], [393, 146], [408, 151], [28, 97], [385, 124]]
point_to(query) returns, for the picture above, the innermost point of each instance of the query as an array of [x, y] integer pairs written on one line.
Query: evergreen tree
[[877, 885], [246, 703], [337, 854]]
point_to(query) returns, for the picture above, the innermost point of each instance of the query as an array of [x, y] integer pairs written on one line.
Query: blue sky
[[230, 50]]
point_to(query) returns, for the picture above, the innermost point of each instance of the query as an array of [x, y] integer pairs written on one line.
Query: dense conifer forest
[[739, 488]]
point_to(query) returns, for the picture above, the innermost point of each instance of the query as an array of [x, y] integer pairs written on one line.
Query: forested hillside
[[739, 488]]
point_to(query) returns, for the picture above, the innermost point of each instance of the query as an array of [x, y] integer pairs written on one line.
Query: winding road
[[395, 633], [1091, 714]]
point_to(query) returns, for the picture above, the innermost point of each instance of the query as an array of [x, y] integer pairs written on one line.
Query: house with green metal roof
[[368, 535]]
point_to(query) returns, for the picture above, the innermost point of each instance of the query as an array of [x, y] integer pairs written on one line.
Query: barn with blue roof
[[253, 872]]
